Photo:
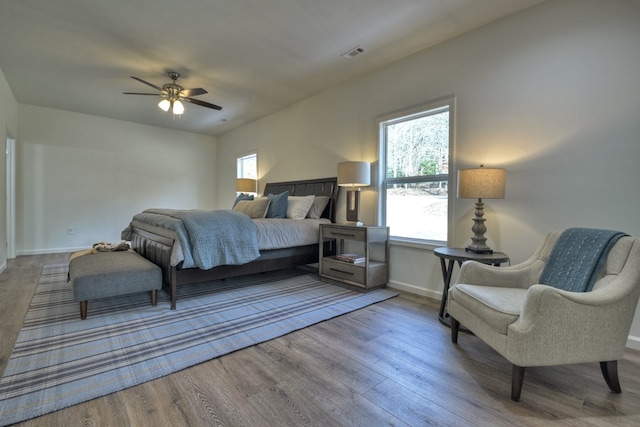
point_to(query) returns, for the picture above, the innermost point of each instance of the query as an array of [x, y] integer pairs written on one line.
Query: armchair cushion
[[497, 306], [577, 257]]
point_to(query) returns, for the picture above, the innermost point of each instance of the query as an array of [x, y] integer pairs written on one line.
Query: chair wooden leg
[[455, 327], [154, 297], [517, 378], [610, 373]]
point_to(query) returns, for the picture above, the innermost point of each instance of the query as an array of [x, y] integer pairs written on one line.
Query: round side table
[[448, 258]]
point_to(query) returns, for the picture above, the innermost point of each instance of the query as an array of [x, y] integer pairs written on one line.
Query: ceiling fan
[[173, 94]]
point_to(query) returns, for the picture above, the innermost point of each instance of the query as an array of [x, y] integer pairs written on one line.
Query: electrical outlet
[[70, 230]]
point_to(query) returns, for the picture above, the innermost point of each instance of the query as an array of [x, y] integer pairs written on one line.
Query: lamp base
[[475, 250], [353, 205], [478, 245]]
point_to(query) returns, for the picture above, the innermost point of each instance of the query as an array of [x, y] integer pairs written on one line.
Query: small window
[[247, 173], [248, 166], [415, 150]]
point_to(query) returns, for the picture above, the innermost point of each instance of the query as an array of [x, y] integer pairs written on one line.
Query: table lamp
[[246, 185], [354, 175], [480, 183]]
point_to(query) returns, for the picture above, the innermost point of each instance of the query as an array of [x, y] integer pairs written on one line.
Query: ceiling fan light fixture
[[178, 108], [174, 96], [164, 105]]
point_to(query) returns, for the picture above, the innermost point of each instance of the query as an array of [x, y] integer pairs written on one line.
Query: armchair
[[531, 324]]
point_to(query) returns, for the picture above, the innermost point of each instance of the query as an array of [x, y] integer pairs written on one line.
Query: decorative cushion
[[278, 205], [319, 203], [254, 208], [242, 196], [298, 206]]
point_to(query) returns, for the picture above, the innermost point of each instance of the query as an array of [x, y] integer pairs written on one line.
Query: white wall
[[552, 94], [8, 123], [94, 174]]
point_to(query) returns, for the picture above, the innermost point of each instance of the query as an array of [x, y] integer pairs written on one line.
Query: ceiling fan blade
[[202, 103], [193, 92], [140, 93], [146, 83]]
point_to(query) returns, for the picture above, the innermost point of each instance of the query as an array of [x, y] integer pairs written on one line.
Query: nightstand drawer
[[343, 270], [349, 233]]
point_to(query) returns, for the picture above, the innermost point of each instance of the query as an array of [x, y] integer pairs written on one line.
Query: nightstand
[[367, 272]]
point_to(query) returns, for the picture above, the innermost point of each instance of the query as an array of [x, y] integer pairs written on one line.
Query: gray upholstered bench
[[109, 274]]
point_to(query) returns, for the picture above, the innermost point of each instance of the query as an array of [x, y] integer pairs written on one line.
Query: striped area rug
[[59, 360]]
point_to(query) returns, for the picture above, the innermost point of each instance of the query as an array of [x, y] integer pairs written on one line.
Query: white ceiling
[[253, 56]]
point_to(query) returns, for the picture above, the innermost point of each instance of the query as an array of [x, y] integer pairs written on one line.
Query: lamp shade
[[247, 185], [178, 108], [481, 183], [354, 174], [165, 104]]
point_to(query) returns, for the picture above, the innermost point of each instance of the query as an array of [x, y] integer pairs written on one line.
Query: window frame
[[429, 108]]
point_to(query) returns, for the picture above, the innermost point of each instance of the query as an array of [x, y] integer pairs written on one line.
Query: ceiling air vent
[[353, 52]]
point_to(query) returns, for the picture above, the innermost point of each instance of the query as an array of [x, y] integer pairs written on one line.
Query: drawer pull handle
[[343, 234], [341, 271]]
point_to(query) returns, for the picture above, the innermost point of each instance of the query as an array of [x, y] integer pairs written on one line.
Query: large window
[[415, 149]]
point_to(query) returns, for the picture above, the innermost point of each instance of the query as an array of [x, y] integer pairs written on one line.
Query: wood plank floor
[[388, 364]]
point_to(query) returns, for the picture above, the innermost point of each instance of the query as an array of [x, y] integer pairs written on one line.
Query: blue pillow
[[242, 196], [278, 205]]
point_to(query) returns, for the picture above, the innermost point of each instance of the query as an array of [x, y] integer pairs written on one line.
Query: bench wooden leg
[[154, 297], [83, 310]]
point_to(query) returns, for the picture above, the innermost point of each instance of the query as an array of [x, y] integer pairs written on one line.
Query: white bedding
[[272, 233], [278, 233]]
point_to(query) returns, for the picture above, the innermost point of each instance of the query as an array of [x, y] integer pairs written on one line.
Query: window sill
[[425, 245]]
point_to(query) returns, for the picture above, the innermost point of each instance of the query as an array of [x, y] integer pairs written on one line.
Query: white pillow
[[317, 207], [298, 206]]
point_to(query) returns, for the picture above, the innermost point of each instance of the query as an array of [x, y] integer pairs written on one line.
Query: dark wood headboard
[[318, 187]]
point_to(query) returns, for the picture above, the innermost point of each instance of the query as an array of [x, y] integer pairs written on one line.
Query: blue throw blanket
[[208, 238], [576, 258]]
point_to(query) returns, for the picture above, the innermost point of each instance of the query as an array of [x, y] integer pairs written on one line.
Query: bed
[[163, 247]]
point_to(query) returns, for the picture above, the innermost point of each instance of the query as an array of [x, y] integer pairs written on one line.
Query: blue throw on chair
[[576, 258]]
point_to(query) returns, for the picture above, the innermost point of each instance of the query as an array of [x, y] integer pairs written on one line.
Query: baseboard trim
[[50, 251], [633, 342], [414, 289]]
